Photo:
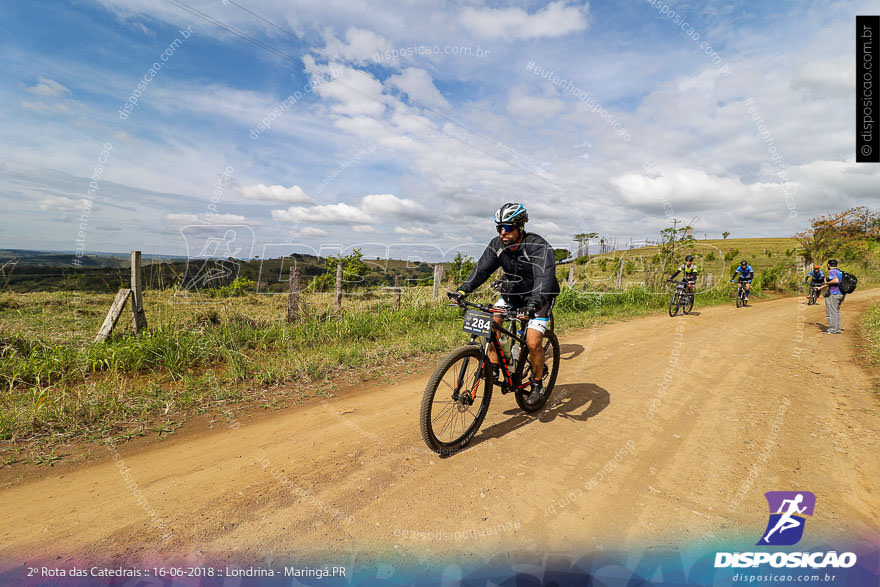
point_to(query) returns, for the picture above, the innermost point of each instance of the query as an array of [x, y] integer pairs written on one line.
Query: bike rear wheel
[[689, 304], [551, 370], [453, 406]]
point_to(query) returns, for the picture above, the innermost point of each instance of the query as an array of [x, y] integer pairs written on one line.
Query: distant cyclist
[[816, 277], [690, 271], [746, 275], [529, 285]]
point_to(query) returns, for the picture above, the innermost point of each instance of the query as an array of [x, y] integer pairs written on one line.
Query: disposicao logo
[[787, 521], [788, 512]]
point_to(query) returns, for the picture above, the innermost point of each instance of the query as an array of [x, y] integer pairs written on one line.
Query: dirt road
[[659, 429]]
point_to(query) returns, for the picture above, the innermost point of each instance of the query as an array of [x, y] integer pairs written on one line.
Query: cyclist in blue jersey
[[746, 275], [816, 277]]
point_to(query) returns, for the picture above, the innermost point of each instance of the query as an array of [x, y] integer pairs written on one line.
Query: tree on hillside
[[583, 241], [725, 234], [353, 268], [561, 254], [844, 234], [461, 267]]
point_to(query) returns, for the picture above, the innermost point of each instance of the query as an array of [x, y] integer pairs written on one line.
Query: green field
[[212, 355]]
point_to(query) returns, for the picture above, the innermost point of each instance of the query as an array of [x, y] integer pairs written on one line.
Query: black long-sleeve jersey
[[530, 270]]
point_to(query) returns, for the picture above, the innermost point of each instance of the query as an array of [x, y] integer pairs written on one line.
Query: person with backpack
[[833, 297]]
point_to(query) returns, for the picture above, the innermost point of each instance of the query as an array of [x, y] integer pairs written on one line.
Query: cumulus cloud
[[276, 193], [340, 213], [373, 209], [360, 46], [311, 231], [557, 19], [419, 86]]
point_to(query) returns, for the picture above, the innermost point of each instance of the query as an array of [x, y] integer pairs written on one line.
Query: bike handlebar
[[507, 313]]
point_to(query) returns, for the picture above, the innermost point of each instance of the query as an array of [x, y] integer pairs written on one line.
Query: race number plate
[[479, 323]]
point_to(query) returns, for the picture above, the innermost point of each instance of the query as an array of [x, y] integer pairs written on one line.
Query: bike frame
[[512, 380]]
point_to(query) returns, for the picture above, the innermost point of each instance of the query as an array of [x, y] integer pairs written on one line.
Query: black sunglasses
[[505, 227]]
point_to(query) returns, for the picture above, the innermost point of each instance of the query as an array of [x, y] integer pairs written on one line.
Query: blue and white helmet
[[512, 213]]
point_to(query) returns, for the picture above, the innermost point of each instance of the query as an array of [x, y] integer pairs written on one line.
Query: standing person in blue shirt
[[834, 297], [746, 275], [816, 277]]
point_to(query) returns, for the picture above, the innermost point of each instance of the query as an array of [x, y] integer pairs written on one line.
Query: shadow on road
[[578, 401], [568, 352]]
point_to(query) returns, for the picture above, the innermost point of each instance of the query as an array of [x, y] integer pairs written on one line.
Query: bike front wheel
[[454, 406], [673, 305], [739, 299], [551, 370]]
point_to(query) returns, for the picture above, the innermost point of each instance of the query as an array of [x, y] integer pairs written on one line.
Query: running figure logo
[[787, 517]]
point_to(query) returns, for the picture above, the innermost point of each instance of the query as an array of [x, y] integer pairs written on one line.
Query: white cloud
[[413, 231], [361, 46], [50, 203], [48, 88], [557, 19], [340, 213], [45, 108], [205, 218], [389, 205], [528, 109], [311, 231], [353, 91], [419, 86], [276, 193]]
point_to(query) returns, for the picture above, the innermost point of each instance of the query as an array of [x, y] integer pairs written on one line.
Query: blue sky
[[408, 124]]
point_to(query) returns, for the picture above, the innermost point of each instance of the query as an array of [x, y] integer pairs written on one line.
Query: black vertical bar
[[867, 86]]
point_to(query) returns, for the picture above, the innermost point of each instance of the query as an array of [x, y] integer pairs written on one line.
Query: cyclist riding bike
[[746, 275], [690, 271], [816, 277], [529, 284]]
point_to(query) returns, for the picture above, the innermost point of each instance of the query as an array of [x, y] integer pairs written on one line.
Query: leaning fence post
[[139, 317], [339, 285], [571, 274], [397, 292], [293, 295], [113, 315]]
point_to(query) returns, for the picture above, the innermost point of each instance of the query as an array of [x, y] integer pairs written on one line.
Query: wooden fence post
[[620, 274], [571, 274], [293, 295], [113, 315], [339, 285], [439, 269], [397, 292], [139, 317]]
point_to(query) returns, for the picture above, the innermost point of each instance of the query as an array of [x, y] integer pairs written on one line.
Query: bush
[[239, 287], [731, 255], [710, 256]]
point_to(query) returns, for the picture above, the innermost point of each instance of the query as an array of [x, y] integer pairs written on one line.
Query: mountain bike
[[681, 299], [741, 300], [814, 295], [457, 395]]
